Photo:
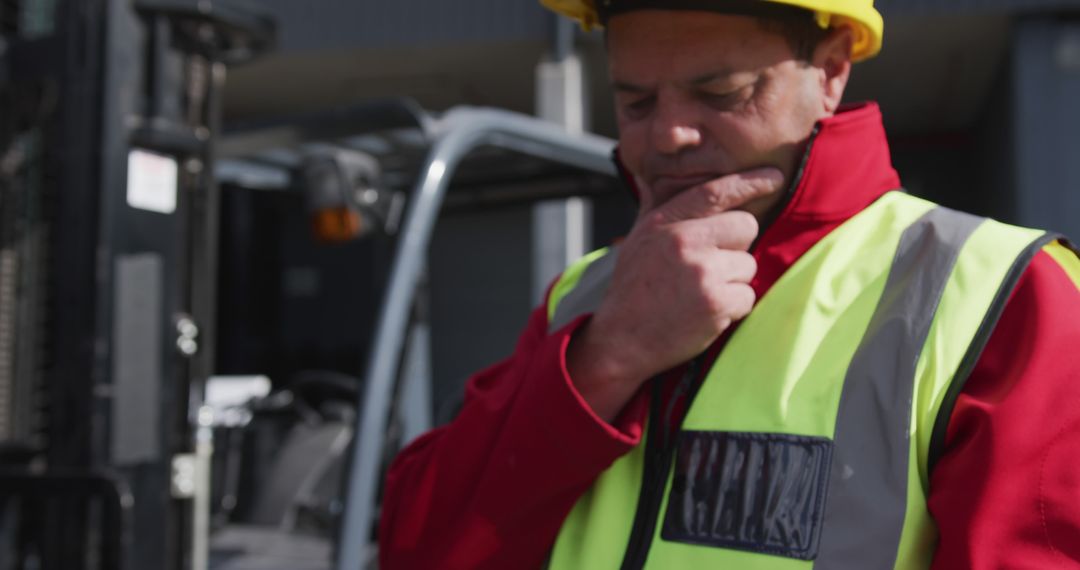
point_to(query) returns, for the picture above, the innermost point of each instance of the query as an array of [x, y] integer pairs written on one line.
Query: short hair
[[803, 35]]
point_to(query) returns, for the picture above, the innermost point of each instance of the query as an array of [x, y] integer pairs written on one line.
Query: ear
[[833, 58]]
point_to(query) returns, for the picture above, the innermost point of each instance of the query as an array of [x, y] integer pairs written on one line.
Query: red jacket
[[491, 489]]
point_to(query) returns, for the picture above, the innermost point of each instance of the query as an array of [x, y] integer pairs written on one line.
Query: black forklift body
[[108, 224]]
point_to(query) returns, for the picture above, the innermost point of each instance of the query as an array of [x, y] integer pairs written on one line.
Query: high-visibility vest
[[810, 442]]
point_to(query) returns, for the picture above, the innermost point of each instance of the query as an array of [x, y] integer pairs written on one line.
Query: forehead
[[646, 46]]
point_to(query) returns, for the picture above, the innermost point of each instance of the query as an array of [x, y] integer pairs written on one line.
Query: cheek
[[794, 108], [741, 139], [783, 95], [763, 129], [633, 142]]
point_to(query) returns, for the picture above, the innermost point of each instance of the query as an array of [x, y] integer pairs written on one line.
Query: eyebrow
[[697, 81]]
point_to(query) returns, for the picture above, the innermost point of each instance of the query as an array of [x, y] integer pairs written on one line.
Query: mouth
[[666, 186]]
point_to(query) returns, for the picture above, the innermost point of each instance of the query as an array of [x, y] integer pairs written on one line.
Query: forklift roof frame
[[450, 139], [456, 134]]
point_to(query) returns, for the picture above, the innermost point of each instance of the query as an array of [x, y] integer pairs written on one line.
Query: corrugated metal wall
[[337, 24], [328, 24], [920, 7]]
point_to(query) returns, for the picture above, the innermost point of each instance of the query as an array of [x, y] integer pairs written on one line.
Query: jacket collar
[[846, 167]]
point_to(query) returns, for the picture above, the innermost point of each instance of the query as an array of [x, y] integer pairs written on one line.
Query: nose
[[676, 126]]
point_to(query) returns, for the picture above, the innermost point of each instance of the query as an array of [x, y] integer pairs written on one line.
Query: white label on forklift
[[152, 181]]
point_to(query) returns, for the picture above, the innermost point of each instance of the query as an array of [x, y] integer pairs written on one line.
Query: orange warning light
[[336, 225]]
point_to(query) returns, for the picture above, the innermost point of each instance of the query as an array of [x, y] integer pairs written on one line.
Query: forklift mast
[[109, 111]]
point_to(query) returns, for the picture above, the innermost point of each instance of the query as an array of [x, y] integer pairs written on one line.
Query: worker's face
[[699, 95]]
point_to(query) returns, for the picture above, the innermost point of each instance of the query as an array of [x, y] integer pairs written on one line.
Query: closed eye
[[723, 101], [638, 108]]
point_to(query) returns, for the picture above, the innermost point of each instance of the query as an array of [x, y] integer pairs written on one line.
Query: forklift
[[125, 441]]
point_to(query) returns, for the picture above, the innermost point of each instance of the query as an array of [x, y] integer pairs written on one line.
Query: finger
[[734, 266], [736, 301], [721, 266], [722, 194], [727, 230]]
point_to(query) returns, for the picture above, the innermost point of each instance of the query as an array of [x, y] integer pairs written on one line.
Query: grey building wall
[[337, 24], [480, 274], [936, 7], [334, 24], [1046, 123]]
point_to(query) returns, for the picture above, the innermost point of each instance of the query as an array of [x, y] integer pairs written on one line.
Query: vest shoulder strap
[[580, 288], [984, 332]]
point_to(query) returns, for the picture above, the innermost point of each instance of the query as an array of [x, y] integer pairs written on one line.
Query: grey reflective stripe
[[585, 297], [868, 481]]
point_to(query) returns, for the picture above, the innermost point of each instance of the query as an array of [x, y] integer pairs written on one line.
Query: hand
[[681, 278]]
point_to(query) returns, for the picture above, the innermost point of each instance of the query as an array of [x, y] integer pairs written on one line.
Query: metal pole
[[562, 38], [415, 405], [459, 132], [561, 228], [200, 519]]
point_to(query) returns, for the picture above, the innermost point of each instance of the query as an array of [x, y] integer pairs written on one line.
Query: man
[[786, 363]]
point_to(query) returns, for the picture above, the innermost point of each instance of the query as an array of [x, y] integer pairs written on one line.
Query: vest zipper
[[659, 453]]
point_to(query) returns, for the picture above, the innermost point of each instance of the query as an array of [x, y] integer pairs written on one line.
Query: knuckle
[[677, 244], [714, 310], [717, 300], [684, 243], [698, 274], [650, 221], [711, 196], [655, 219]]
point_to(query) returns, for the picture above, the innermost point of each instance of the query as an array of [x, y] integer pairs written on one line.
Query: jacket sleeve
[[1005, 491], [492, 488]]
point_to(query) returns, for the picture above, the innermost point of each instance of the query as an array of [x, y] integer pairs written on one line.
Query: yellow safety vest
[[810, 442]]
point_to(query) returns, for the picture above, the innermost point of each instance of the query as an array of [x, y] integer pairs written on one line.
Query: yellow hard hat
[[861, 15]]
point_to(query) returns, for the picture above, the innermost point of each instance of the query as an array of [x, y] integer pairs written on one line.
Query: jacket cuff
[[570, 422]]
